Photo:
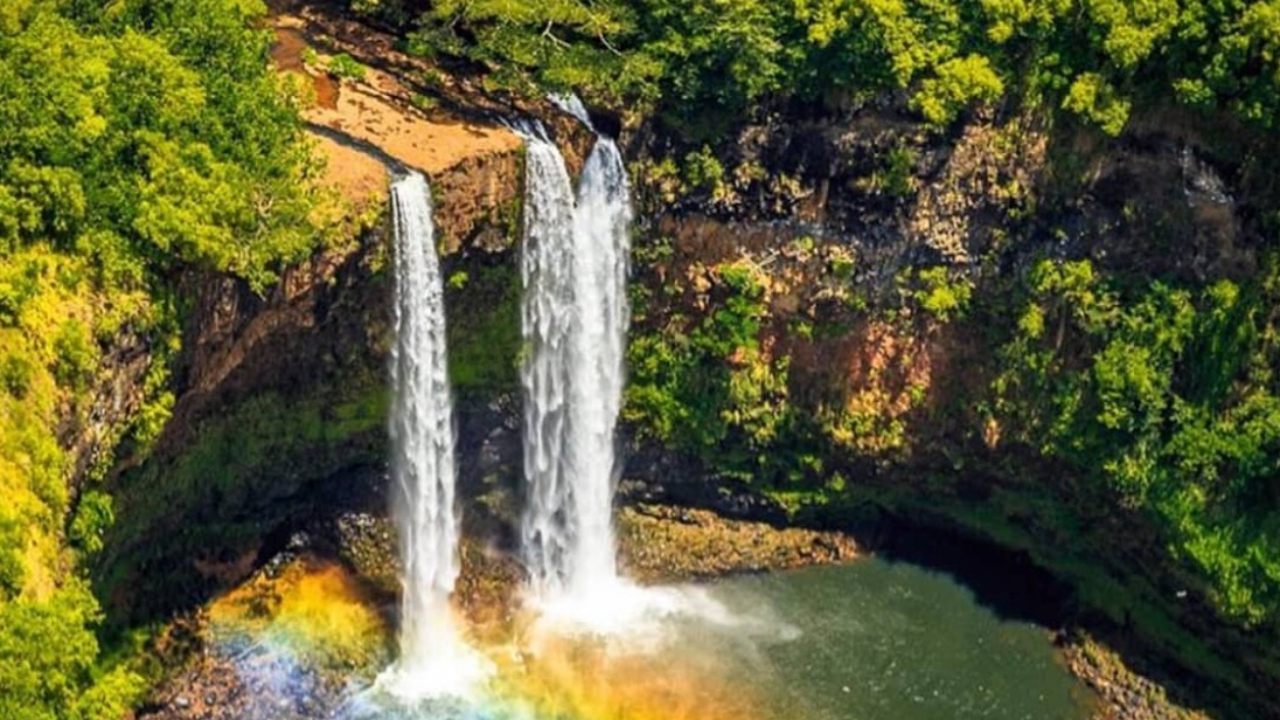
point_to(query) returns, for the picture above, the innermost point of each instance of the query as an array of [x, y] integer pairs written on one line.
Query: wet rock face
[[247, 688], [660, 543], [367, 543], [1161, 199], [117, 396], [326, 318], [1123, 694], [287, 645]]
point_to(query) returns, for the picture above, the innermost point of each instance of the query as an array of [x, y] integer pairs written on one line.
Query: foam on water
[[646, 619]]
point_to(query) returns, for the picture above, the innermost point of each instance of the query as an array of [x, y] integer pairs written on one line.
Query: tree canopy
[[697, 58]]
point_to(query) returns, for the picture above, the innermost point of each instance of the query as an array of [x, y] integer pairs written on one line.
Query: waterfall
[[547, 274], [422, 441], [602, 223], [574, 266], [572, 105]]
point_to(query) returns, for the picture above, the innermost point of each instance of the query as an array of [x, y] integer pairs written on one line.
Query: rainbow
[[320, 617]]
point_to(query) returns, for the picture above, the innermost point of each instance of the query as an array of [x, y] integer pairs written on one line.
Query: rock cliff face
[[835, 219], [835, 223], [281, 398]]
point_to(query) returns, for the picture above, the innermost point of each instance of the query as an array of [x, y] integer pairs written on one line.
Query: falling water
[[422, 439], [546, 316], [574, 264], [572, 104], [602, 246]]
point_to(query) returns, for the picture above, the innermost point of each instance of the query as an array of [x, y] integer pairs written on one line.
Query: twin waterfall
[[574, 264]]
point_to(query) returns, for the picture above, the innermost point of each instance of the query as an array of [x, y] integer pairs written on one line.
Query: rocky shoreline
[[1122, 693], [663, 543]]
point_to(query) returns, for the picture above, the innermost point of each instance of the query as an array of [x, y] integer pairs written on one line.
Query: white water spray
[[423, 475], [574, 266]]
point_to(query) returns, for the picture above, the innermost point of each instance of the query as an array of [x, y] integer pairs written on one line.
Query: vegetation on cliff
[[1150, 403], [142, 138], [705, 63], [1167, 395]]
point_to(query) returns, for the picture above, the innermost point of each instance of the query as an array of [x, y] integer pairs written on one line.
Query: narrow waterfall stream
[[574, 266], [602, 243], [422, 440]]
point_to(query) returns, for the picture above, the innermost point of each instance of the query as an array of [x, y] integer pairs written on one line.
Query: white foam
[[646, 619], [451, 672]]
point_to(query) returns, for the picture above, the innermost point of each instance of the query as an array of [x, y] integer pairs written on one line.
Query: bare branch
[[605, 41], [547, 34]]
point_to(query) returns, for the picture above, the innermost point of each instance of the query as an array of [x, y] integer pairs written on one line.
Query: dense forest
[[141, 138], [144, 139]]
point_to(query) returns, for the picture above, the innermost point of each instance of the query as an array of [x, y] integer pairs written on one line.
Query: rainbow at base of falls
[[587, 645], [541, 670]]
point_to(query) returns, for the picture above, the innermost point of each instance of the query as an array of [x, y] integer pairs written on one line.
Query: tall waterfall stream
[[574, 262]]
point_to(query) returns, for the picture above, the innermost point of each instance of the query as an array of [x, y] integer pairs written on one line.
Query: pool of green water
[[872, 640], [876, 640]]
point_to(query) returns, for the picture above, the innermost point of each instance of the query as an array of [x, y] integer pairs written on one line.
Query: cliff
[[822, 312], [835, 317]]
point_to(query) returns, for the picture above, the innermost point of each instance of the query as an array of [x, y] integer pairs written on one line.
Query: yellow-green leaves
[[1022, 18], [47, 654], [163, 92], [1093, 97], [958, 82], [140, 141], [136, 137], [1133, 29], [941, 295]]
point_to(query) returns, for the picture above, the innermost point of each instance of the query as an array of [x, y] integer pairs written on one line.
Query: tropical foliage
[[704, 62], [141, 138], [1167, 396]]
